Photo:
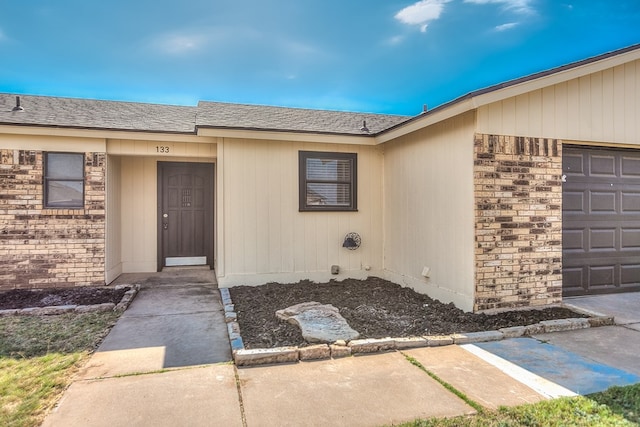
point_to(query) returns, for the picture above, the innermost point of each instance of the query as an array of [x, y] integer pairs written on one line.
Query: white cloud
[[395, 40], [421, 13], [180, 43], [2, 36], [507, 26], [520, 6]]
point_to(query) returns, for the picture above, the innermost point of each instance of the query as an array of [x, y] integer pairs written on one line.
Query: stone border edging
[[292, 354], [127, 298]]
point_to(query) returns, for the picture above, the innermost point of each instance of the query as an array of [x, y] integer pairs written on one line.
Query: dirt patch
[[25, 298], [374, 307]]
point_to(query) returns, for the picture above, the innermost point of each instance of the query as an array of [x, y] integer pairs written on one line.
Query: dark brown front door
[[185, 223], [600, 220]]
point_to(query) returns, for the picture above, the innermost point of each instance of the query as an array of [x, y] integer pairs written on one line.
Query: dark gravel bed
[[376, 308], [86, 295]]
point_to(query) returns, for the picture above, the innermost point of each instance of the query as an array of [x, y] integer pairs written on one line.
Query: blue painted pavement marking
[[570, 370]]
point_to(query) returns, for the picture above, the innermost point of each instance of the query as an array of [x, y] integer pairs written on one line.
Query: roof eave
[[510, 89], [285, 135]]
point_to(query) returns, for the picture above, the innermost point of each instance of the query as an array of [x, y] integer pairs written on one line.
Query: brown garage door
[[600, 220]]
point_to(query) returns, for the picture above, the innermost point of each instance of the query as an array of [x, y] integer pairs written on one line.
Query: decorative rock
[[9, 312], [230, 316], [410, 342], [438, 340], [372, 345], [339, 351], [263, 356], [318, 322], [472, 337], [107, 306], [513, 332], [601, 321], [564, 324], [320, 351], [535, 329]]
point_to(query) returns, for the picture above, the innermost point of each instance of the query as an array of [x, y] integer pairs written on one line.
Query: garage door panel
[[574, 201], [630, 275], [602, 276], [573, 240], [630, 202], [572, 163], [602, 165], [630, 239], [603, 201], [602, 240], [630, 167], [601, 220], [573, 279]]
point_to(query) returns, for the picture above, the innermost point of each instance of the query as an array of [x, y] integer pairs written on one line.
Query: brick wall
[[42, 248], [518, 199]]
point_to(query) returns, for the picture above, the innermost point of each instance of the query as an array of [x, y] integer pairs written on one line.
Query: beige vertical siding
[[429, 210], [599, 107], [261, 234], [113, 256]]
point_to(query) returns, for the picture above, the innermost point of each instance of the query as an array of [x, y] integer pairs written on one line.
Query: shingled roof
[[221, 115], [93, 114], [129, 116]]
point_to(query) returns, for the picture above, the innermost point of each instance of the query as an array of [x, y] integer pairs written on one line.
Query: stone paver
[[354, 391], [480, 381], [194, 397]]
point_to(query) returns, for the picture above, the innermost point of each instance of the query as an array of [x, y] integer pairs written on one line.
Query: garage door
[[600, 221]]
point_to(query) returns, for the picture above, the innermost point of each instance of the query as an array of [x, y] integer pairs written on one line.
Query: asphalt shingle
[[95, 114], [259, 117]]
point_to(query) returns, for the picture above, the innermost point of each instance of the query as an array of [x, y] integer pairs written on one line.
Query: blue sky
[[380, 56]]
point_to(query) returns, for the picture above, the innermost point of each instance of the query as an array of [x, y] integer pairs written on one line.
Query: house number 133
[[162, 149]]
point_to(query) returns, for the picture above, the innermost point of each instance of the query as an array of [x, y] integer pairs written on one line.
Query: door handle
[[165, 225]]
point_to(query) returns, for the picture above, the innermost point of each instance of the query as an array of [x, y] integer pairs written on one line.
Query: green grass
[[624, 401], [38, 357], [575, 411]]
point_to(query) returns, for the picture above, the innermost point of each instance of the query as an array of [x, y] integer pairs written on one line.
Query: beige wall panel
[[599, 107], [429, 210], [170, 149], [266, 238], [113, 261], [52, 143]]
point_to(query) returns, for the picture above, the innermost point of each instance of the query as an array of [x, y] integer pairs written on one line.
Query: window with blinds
[[328, 181], [64, 180]]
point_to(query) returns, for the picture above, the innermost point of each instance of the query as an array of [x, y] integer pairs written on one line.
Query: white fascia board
[[287, 136], [97, 133]]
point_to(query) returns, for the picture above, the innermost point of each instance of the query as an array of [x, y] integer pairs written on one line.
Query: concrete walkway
[[166, 363]]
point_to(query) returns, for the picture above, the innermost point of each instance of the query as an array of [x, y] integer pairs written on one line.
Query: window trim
[[303, 181], [46, 179]]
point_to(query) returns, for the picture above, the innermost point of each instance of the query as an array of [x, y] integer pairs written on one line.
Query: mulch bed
[[26, 298], [374, 307]]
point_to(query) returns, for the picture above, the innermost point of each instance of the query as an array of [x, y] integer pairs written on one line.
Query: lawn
[[39, 356]]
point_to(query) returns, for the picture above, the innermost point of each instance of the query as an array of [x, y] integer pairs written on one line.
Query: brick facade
[[40, 247], [518, 232]]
